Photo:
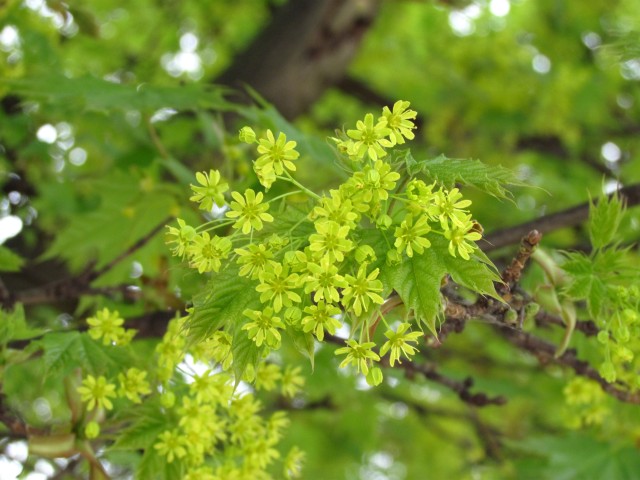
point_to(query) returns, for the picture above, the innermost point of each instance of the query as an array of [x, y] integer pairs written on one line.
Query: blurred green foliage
[[109, 108]]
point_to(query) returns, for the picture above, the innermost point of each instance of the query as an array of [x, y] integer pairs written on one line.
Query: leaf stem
[[214, 227], [290, 179]]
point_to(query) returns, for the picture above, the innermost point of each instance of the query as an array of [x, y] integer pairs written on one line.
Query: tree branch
[[429, 371], [80, 284], [545, 353], [555, 221]]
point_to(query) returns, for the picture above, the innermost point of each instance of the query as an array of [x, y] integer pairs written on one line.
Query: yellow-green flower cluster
[[320, 273], [208, 422], [212, 420], [428, 209], [171, 350], [371, 137], [107, 325], [586, 403], [619, 339]]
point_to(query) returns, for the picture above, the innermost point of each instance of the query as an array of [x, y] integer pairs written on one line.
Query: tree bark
[[306, 49]]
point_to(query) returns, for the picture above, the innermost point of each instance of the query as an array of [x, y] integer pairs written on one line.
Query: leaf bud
[[393, 257], [623, 353], [511, 317], [531, 310]]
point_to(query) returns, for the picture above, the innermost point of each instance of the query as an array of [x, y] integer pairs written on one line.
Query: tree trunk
[[306, 49]]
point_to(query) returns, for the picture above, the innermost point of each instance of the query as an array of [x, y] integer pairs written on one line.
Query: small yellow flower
[[292, 381], [247, 135], [133, 384], [254, 260], [106, 325], [358, 354], [249, 211], [264, 327], [267, 375], [369, 138], [293, 463], [182, 237], [276, 155], [207, 252], [171, 445], [330, 240], [320, 317], [410, 236], [210, 190], [96, 392], [92, 430], [462, 237], [277, 285], [398, 343], [362, 290], [400, 121]]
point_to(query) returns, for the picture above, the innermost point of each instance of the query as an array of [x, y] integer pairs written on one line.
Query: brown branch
[[587, 327], [133, 248], [6, 299], [545, 353], [487, 434], [511, 274], [79, 285], [17, 427], [543, 350], [462, 388], [555, 221]]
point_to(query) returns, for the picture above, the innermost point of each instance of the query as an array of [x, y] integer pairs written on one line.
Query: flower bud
[[247, 135], [531, 310], [384, 222], [365, 253], [393, 257], [608, 372], [374, 377], [511, 317], [603, 337], [92, 430]]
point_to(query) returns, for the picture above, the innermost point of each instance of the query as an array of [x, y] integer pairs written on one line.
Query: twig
[[6, 299], [555, 221], [587, 327], [156, 140], [80, 284], [545, 353], [462, 388], [136, 246], [511, 274], [16, 426]]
